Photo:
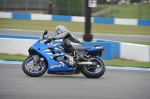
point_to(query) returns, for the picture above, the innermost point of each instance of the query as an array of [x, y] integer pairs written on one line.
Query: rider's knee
[[67, 44]]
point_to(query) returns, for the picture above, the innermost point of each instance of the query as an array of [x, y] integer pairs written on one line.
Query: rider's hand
[[49, 40]]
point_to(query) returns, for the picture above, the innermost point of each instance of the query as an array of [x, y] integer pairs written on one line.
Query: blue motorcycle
[[54, 59]]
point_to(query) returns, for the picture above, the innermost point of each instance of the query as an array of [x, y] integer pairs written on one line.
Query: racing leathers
[[70, 43]]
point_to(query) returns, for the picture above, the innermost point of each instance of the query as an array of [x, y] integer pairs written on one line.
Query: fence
[[122, 21], [138, 9]]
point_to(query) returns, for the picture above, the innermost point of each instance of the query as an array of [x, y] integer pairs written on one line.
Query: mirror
[[45, 33]]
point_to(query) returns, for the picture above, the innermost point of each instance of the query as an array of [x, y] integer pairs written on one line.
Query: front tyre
[[34, 71], [94, 71]]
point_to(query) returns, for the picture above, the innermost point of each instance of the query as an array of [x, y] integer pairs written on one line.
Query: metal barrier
[[27, 16]]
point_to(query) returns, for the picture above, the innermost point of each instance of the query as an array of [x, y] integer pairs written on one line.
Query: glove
[[49, 40]]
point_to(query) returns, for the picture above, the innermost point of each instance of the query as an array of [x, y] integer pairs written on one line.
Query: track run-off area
[[116, 37], [114, 84]]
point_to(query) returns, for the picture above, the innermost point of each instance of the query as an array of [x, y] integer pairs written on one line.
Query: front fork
[[37, 59]]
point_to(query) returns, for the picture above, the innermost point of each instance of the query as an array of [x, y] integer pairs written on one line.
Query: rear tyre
[[92, 72], [34, 71]]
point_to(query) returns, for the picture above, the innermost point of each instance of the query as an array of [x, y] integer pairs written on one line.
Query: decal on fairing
[[56, 66]]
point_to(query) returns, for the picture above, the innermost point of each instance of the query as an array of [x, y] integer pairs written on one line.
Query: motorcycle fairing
[[93, 49], [53, 66], [89, 49]]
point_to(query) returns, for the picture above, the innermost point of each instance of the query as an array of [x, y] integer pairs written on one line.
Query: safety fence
[[138, 9], [28, 16]]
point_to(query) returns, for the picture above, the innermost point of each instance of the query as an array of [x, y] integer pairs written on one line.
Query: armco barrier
[[126, 21], [25, 16], [99, 20], [104, 20], [144, 22]]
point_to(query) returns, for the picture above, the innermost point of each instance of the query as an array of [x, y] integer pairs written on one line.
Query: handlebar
[[45, 39], [48, 41]]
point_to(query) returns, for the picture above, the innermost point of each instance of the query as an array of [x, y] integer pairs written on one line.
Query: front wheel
[[34, 71], [94, 71]]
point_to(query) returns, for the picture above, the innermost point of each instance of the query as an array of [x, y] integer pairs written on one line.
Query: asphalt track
[[114, 84], [119, 37]]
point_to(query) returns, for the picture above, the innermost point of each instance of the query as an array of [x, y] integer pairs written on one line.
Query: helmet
[[60, 29]]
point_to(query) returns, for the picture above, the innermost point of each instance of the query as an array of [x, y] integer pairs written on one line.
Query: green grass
[[119, 62], [128, 11], [143, 43], [74, 27], [12, 57], [115, 62], [132, 11], [100, 7]]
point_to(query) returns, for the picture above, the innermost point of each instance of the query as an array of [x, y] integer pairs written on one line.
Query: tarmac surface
[[118, 37], [114, 84]]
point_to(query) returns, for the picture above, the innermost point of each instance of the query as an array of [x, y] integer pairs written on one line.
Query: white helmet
[[60, 29]]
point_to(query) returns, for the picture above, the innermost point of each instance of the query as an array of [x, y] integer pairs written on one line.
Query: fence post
[[4, 5], [87, 36], [39, 4], [26, 5], [68, 8], [140, 8], [112, 1], [83, 8]]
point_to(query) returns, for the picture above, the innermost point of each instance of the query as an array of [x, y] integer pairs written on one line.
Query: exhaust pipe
[[85, 63]]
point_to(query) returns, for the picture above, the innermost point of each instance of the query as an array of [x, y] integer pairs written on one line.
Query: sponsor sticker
[[56, 66]]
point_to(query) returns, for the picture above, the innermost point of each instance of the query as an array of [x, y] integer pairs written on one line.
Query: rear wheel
[[34, 71], [94, 71]]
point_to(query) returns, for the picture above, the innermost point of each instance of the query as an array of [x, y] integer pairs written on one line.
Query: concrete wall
[[113, 49], [15, 46], [135, 52], [21, 46], [99, 20]]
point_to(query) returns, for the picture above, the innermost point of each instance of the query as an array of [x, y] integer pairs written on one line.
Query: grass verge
[[133, 11], [143, 43], [123, 11], [74, 26], [115, 62]]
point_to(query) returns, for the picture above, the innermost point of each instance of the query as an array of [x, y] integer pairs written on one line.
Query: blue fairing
[[92, 49], [51, 51], [53, 65]]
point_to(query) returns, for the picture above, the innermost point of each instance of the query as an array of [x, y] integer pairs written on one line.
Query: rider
[[68, 38]]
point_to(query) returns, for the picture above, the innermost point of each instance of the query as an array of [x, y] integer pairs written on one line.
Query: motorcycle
[[55, 60]]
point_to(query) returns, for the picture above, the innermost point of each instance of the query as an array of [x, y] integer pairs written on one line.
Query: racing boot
[[79, 57]]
